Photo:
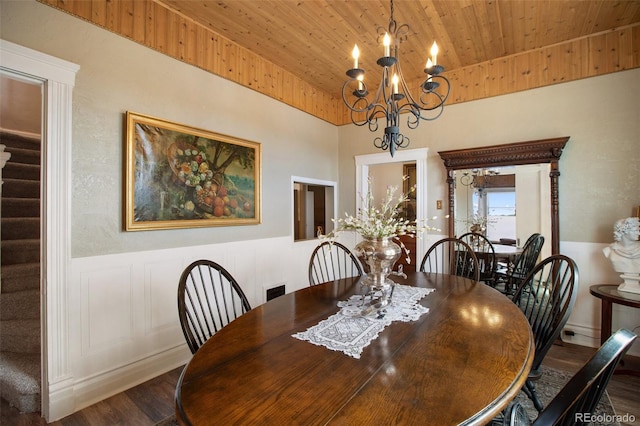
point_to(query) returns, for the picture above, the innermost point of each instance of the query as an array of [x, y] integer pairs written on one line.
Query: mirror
[[487, 166], [485, 201]]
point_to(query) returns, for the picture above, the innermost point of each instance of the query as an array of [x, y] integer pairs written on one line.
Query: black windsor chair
[[578, 399], [451, 256], [331, 261], [208, 299], [546, 297], [486, 255], [514, 273]]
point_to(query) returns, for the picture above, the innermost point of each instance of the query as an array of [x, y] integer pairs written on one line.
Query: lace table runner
[[350, 332]]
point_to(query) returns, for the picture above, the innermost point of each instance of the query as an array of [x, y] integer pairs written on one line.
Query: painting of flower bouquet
[[181, 177]]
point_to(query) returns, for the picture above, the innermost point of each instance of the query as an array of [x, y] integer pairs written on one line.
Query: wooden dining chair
[[512, 275], [451, 256], [332, 261], [486, 255], [208, 299], [580, 396], [546, 297]]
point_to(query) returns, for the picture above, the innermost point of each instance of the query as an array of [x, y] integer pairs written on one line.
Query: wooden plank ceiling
[[298, 51]]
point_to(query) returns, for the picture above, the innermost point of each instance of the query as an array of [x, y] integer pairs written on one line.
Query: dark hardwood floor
[[152, 402], [147, 404]]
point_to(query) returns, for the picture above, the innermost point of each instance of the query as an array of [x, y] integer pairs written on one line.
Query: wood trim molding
[[530, 152], [513, 154]]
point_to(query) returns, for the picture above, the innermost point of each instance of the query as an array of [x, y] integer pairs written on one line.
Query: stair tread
[[20, 269], [20, 219], [20, 327], [24, 241], [23, 152], [12, 181], [14, 164], [21, 370], [23, 304]]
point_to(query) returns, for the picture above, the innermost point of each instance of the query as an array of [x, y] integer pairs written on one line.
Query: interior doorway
[[57, 77], [405, 156]]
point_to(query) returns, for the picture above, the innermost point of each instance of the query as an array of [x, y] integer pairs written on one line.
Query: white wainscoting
[[123, 321], [584, 321]]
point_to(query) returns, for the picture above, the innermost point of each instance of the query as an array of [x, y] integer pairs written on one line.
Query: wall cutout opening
[[314, 205]]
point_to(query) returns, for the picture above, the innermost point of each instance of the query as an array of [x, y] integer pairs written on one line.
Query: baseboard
[[580, 335], [88, 391], [590, 337], [59, 402]]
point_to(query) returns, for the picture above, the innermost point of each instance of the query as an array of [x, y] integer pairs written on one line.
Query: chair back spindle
[[208, 299], [451, 256], [332, 261], [485, 253]]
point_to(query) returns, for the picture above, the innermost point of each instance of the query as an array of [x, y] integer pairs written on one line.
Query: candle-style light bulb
[[429, 65], [434, 53], [360, 79], [355, 54], [386, 42], [394, 80]]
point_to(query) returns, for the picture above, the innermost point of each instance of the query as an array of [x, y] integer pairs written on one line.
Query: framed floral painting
[[179, 176]]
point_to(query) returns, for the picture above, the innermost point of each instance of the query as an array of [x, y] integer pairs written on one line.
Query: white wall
[[384, 176]]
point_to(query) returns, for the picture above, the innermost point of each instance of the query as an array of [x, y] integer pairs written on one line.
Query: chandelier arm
[[358, 99], [441, 97]]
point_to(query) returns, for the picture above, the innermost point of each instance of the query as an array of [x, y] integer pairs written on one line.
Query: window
[[501, 214]]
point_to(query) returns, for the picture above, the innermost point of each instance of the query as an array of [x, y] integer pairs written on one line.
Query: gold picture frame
[[178, 176]]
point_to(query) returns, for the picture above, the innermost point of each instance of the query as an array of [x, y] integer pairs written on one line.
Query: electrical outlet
[[439, 204], [569, 333]]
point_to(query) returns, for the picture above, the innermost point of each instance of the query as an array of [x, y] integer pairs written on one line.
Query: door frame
[[419, 156], [57, 77]]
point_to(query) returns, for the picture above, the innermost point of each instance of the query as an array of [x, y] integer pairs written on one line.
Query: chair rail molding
[[57, 77]]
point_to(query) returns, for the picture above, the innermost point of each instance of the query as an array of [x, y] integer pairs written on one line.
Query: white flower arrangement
[[477, 221], [380, 221]]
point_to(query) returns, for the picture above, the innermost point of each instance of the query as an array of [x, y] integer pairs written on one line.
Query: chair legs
[[530, 390]]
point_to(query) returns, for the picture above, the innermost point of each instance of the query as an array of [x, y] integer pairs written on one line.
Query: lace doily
[[348, 331]]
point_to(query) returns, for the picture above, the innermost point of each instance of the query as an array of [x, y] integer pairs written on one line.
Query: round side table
[[609, 295]]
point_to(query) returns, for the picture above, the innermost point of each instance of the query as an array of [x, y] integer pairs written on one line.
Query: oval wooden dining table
[[460, 363]]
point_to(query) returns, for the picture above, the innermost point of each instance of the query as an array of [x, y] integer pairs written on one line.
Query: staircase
[[20, 349]]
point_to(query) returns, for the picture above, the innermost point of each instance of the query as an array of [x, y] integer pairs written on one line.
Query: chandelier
[[393, 96], [478, 178]]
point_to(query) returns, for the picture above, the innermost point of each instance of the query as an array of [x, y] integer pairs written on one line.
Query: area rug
[[547, 387]]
